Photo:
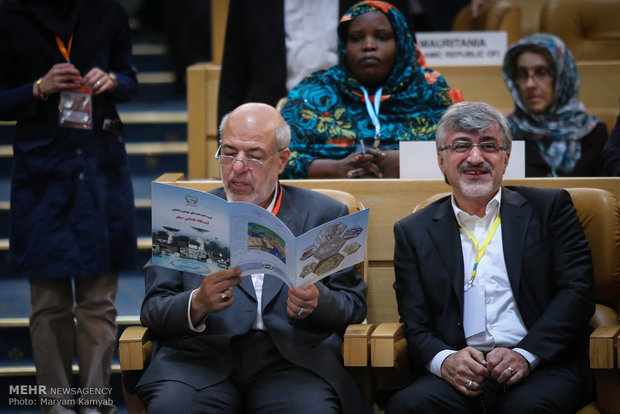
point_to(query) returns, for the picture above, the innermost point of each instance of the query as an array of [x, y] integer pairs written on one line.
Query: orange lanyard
[[276, 208], [65, 50]]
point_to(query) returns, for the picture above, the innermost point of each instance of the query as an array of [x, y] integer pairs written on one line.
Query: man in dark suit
[[224, 344], [494, 285]]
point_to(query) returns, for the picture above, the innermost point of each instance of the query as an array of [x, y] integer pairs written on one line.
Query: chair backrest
[[530, 12], [354, 206], [590, 28], [599, 213], [491, 16], [342, 196]]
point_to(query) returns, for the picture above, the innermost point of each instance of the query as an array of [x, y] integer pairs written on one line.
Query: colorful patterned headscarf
[[327, 111], [558, 132]]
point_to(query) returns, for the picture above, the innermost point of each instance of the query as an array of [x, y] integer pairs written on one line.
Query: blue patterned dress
[[327, 112]]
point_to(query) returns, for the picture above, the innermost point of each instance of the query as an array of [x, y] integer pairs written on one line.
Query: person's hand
[[61, 76], [507, 366], [302, 302], [100, 81], [356, 165], [466, 371], [390, 164], [362, 164], [215, 293]]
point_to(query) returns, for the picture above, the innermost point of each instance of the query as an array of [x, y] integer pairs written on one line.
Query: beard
[[477, 187]]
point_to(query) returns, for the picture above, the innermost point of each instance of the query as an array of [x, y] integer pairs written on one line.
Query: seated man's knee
[[428, 394], [408, 401], [309, 400], [164, 397], [327, 406], [540, 404]]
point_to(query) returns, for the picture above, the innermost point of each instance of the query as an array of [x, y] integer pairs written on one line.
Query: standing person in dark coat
[[71, 196]]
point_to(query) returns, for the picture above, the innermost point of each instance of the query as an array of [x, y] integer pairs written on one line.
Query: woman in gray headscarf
[[561, 139]]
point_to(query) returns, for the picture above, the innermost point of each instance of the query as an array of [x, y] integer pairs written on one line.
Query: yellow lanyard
[[480, 250]]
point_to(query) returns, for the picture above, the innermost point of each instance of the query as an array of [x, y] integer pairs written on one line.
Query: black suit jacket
[[549, 267], [203, 359]]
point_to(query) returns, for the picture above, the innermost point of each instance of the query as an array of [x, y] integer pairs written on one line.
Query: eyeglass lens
[[539, 74], [466, 146], [250, 163]]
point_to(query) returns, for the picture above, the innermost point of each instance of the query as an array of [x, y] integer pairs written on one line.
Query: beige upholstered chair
[[590, 28], [502, 16]]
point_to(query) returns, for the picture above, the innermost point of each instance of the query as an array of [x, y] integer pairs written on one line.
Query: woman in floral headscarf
[[347, 121], [561, 139]]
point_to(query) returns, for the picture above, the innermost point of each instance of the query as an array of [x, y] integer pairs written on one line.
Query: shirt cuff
[[531, 358], [200, 326], [435, 365]]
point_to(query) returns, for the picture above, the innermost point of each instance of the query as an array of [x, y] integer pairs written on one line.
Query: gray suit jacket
[[203, 359]]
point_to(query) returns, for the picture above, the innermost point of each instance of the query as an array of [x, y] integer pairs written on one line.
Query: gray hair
[[283, 136], [282, 132], [472, 117]]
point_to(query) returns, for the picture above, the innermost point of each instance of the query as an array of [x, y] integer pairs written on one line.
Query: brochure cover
[[198, 232]]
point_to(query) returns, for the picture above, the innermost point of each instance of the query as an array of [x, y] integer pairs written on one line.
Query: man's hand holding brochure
[[201, 233]]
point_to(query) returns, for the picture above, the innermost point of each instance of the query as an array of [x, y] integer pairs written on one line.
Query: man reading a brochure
[[227, 344]]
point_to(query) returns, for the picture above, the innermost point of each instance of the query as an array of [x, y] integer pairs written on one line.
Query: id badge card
[[475, 311], [75, 109]]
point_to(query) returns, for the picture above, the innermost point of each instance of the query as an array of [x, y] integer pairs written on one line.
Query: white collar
[[491, 209]]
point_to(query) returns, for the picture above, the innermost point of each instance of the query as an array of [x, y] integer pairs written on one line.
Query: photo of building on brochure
[[186, 237]]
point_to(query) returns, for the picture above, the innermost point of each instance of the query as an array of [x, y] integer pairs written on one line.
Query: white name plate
[[463, 48], [418, 159]]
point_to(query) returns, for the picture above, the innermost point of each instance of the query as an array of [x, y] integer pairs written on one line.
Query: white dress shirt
[[504, 326], [311, 37], [257, 281]]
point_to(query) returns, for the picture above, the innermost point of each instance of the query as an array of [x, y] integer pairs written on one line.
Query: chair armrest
[[603, 347], [603, 316], [604, 365], [388, 344], [134, 349], [356, 345]]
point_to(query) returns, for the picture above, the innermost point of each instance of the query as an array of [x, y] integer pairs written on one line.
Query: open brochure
[[198, 232]]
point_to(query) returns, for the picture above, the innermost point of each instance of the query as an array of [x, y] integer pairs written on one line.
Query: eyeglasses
[[249, 163], [463, 146], [538, 75]]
